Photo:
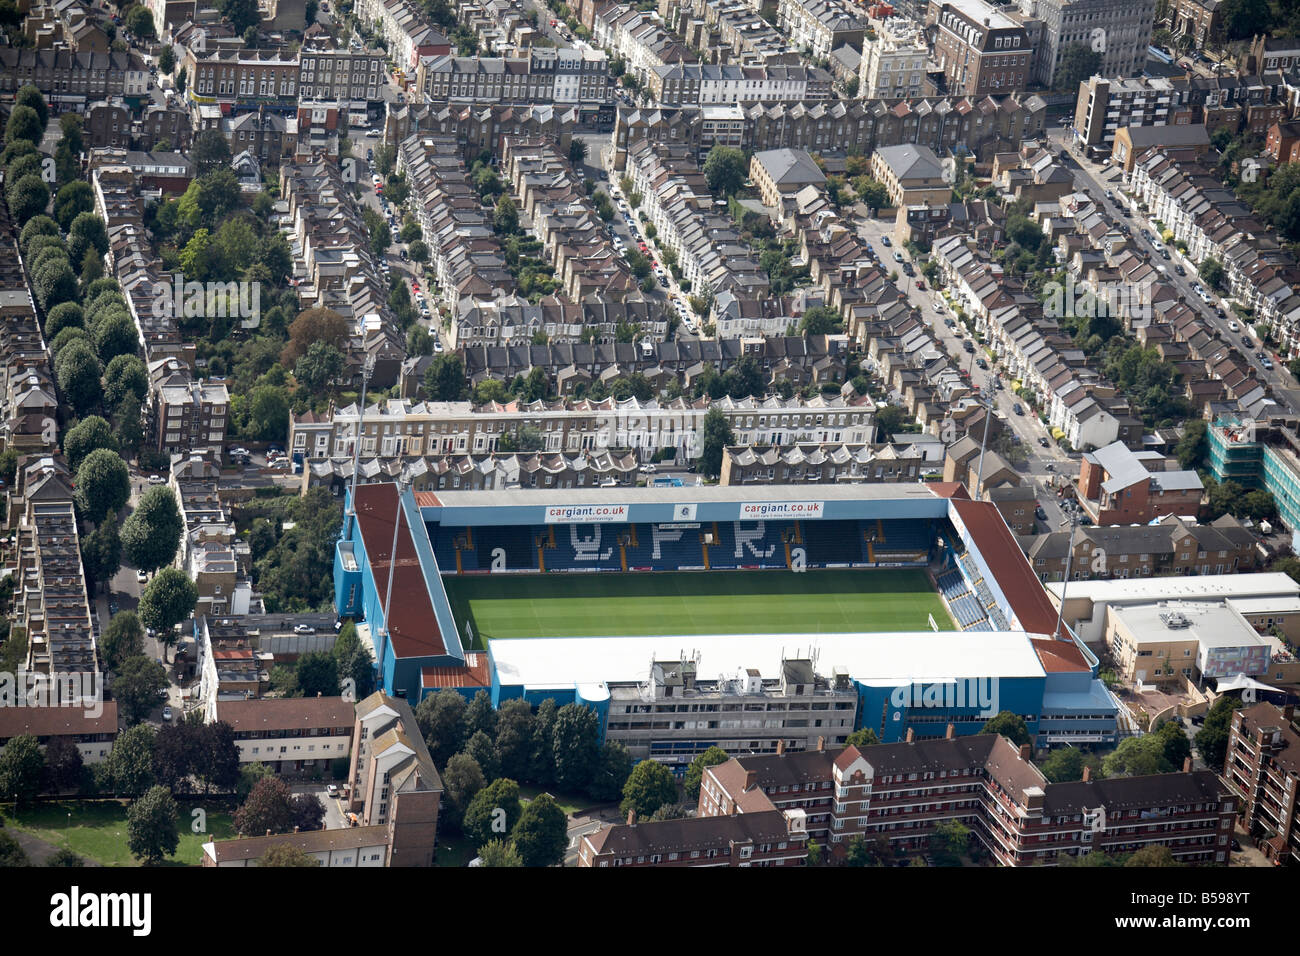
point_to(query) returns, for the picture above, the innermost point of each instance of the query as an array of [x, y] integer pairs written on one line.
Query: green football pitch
[[701, 602]]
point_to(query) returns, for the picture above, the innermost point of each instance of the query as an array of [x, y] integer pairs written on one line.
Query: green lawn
[[701, 602], [97, 829]]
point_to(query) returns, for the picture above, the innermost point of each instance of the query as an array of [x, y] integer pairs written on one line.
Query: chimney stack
[[911, 735], [951, 732], [821, 745], [631, 817], [295, 829], [751, 780], [780, 747], [1087, 774], [1187, 765], [1025, 752]]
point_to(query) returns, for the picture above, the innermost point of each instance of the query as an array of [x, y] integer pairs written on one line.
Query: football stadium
[[567, 593]]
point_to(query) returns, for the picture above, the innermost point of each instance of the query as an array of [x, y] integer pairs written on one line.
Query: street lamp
[[1069, 555]]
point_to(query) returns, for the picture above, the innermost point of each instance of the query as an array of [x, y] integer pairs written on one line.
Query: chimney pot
[[1187, 765], [911, 735], [1087, 774], [821, 744], [1025, 751], [951, 732], [631, 817]]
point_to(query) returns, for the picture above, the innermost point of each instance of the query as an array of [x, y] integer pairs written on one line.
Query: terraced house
[[70, 81], [820, 26]]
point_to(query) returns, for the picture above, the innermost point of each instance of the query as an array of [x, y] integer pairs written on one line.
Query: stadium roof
[[412, 625], [1200, 586], [883, 659], [883, 491], [1016, 579]]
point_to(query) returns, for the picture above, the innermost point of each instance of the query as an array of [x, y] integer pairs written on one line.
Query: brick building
[[1263, 767]]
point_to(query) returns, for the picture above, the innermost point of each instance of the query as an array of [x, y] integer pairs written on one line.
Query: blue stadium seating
[[516, 545], [952, 585], [904, 537], [665, 549], [748, 544], [583, 546], [832, 542]]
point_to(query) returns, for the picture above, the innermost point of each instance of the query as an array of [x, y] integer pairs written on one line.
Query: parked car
[[1180, 270], [1234, 326], [156, 479], [898, 256], [332, 789], [304, 629], [981, 363], [167, 713], [968, 345], [1018, 408], [1044, 442], [885, 241], [648, 469], [1247, 341], [141, 577]]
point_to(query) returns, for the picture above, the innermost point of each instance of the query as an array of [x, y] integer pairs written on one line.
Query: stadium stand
[[664, 549], [517, 545], [580, 547], [832, 543], [748, 544]]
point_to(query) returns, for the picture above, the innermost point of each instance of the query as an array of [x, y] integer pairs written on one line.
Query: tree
[[717, 436], [541, 835], [175, 751], [209, 152], [65, 315], [576, 745], [217, 763], [308, 812], [725, 170], [140, 22], [493, 812], [1009, 725], [152, 534], [63, 857], [1076, 65], [268, 413], [122, 639], [125, 375], [1193, 446], [613, 767], [1177, 748], [321, 365], [1066, 764], [505, 219], [318, 675], [314, 325], [249, 775], [103, 484], [268, 809], [1154, 855], [650, 786], [128, 771], [29, 96], [499, 853], [480, 716], [444, 379], [166, 61], [101, 551], [949, 842], [169, 599], [419, 251], [1212, 739], [13, 855], [577, 151], [479, 746], [77, 371], [282, 854], [821, 320], [139, 687], [151, 832], [73, 200], [462, 779], [514, 738], [866, 737], [86, 436], [27, 197], [22, 767], [63, 765], [1137, 756], [24, 124], [115, 336], [695, 772], [1213, 272], [441, 719]]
